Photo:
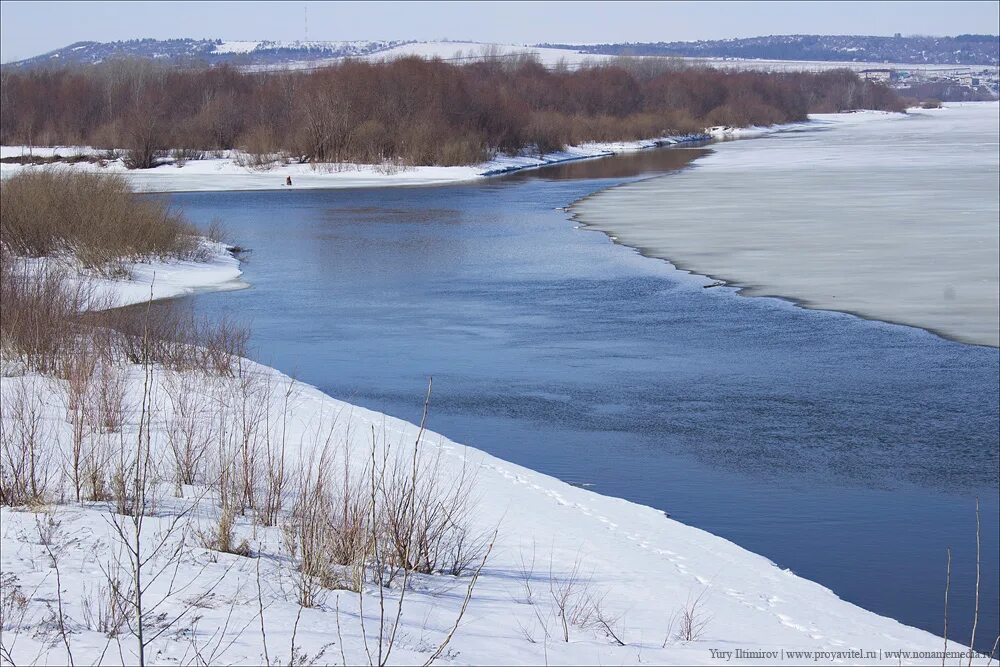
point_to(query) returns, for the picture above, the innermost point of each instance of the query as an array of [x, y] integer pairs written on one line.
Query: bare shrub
[[570, 596], [605, 621], [13, 602], [135, 470], [40, 313], [526, 575], [174, 337], [312, 535], [188, 426], [182, 155], [98, 466], [110, 383], [76, 370], [461, 151], [149, 563], [223, 345], [572, 601], [54, 540], [249, 406], [102, 608], [260, 151], [547, 131], [94, 217], [224, 476], [276, 475], [25, 445], [426, 515], [223, 537], [393, 516], [216, 231], [350, 519], [691, 620], [394, 524]]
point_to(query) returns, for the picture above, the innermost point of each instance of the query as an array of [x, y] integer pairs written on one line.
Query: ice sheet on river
[[888, 216]]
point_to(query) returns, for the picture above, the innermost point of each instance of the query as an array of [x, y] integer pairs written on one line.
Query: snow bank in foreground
[[643, 567], [225, 173]]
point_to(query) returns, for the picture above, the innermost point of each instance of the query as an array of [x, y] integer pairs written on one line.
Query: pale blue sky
[[31, 28]]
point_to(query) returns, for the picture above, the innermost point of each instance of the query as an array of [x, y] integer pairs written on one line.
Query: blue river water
[[850, 451]]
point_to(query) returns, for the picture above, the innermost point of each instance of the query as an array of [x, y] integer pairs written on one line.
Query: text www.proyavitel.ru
[[893, 655]]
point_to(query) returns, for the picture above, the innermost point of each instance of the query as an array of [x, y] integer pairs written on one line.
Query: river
[[846, 449]]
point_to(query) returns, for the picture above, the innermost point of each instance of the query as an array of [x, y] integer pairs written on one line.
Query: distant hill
[[205, 51], [958, 50]]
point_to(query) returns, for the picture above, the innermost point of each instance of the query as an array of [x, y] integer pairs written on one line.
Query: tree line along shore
[[409, 111]]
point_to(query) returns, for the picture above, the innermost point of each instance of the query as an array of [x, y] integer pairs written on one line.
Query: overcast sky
[[31, 28]]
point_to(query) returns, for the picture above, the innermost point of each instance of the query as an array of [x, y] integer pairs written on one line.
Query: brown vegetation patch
[[96, 218], [407, 111]]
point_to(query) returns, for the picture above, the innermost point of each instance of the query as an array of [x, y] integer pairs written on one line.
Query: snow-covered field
[[227, 172], [460, 51], [624, 574], [550, 57], [353, 47]]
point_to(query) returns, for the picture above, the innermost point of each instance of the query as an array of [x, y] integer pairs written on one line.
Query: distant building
[[883, 75], [971, 81]]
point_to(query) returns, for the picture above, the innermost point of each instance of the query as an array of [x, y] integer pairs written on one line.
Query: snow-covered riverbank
[[627, 574], [227, 171], [219, 270]]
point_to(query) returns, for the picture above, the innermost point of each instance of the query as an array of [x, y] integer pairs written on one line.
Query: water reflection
[[623, 165]]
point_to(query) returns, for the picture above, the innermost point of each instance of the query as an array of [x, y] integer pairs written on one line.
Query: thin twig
[[975, 615], [260, 610], [947, 587], [465, 603]]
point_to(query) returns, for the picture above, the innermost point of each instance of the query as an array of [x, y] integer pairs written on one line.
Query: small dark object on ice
[[717, 283], [288, 180]]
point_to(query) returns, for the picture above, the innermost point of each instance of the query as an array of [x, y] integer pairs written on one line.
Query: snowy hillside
[[217, 51], [846, 50], [276, 54]]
